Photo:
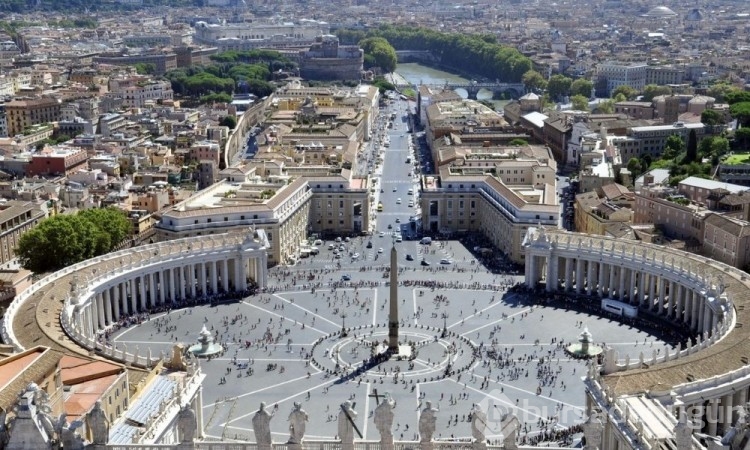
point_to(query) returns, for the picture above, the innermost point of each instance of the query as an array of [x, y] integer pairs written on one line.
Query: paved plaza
[[472, 342]]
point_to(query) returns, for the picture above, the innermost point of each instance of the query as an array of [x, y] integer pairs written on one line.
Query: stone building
[[327, 60]]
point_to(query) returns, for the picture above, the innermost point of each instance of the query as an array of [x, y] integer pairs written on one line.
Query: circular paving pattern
[[429, 355]]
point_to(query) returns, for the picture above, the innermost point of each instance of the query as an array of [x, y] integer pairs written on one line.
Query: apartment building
[[664, 75], [23, 113], [16, 218], [57, 161], [148, 92], [670, 211], [650, 140], [727, 239], [611, 74]]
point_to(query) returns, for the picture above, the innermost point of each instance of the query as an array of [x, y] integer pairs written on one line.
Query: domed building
[[661, 12]]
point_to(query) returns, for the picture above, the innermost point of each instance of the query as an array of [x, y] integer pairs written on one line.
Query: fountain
[[585, 348], [206, 346]]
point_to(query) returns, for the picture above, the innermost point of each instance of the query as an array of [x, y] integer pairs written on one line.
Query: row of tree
[[62, 240], [245, 71], [478, 54], [379, 53]]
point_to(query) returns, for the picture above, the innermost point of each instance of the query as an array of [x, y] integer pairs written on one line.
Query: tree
[[228, 121], [710, 117], [558, 86], [580, 103], [635, 167], [534, 81], [145, 68], [380, 52], [654, 90], [692, 147], [518, 142], [673, 147], [627, 91], [383, 85], [741, 112], [742, 138], [582, 87], [605, 106], [62, 240]]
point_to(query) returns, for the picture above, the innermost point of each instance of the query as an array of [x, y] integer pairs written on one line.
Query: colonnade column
[[191, 279], [133, 296], [142, 288], [652, 280], [262, 268], [243, 272], [225, 275], [154, 292], [99, 302], [116, 301], [124, 297], [600, 281], [712, 416], [172, 284], [162, 287], [631, 291], [696, 309], [552, 268], [579, 275], [183, 270], [641, 288], [726, 412], [672, 295], [621, 285], [107, 307], [213, 265], [662, 295], [568, 274], [589, 277], [202, 277]]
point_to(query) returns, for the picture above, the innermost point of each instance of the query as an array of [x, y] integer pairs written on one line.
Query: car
[[381, 191], [380, 250], [399, 238], [342, 248], [409, 174], [411, 204], [409, 258], [347, 239], [410, 192], [337, 255], [369, 244], [398, 201], [345, 277], [390, 227], [331, 247], [355, 256], [381, 234], [425, 262], [338, 239], [395, 189], [445, 261], [398, 220], [318, 242]]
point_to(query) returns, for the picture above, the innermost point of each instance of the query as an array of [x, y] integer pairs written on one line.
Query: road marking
[[303, 309], [279, 315]]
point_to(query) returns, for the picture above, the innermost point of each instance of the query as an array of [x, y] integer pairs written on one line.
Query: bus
[[619, 308], [380, 207]]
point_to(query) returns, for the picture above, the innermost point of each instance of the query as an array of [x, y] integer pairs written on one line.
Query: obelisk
[[393, 311]]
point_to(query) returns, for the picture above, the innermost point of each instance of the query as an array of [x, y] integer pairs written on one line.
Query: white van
[[426, 241]]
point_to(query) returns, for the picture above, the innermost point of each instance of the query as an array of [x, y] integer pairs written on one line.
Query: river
[[417, 74]]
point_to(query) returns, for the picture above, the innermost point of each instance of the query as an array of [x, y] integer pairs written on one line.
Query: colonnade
[[661, 287], [166, 276]]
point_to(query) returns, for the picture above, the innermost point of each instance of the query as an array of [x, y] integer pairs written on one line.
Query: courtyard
[[472, 342]]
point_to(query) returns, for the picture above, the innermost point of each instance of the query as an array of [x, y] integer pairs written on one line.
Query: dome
[[661, 11]]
